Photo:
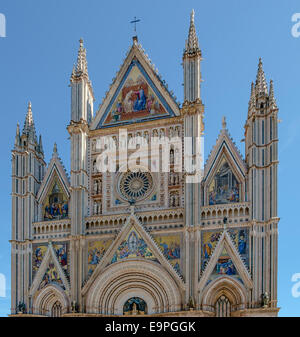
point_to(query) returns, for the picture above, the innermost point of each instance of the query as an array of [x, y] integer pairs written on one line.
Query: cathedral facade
[[119, 235]]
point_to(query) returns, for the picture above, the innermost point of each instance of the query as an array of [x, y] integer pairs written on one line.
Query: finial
[[29, 128], [271, 94], [192, 16], [135, 39], [224, 122], [81, 66], [192, 45], [55, 149]]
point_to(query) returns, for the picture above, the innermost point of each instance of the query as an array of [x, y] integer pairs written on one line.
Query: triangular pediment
[[224, 172], [225, 260], [54, 194], [50, 272], [133, 246], [137, 94], [133, 243], [225, 145]]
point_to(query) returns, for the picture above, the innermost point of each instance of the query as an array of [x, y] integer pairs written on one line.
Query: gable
[[239, 237], [133, 246], [136, 99], [50, 266], [51, 276], [39, 251], [223, 187], [133, 242], [228, 257], [55, 202]]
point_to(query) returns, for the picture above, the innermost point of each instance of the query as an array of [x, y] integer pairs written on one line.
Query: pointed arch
[[45, 299], [225, 286]]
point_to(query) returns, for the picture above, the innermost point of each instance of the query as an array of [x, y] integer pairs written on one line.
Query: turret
[[193, 112], [261, 149], [81, 115], [27, 173]]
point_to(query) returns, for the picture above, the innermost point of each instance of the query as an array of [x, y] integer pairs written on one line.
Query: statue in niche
[[265, 300]]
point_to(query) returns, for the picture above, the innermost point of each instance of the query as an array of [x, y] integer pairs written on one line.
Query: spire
[[252, 99], [17, 138], [29, 128], [81, 66], [224, 123], [41, 144], [54, 150], [261, 84], [272, 100], [191, 44]]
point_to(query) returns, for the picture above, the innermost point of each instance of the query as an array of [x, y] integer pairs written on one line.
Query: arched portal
[[50, 301], [137, 278], [223, 296]]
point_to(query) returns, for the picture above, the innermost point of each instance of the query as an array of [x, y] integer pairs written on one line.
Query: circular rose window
[[135, 185]]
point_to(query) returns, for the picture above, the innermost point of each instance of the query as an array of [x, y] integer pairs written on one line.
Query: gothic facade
[[129, 241]]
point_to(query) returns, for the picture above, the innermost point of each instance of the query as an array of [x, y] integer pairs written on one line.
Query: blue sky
[[37, 56]]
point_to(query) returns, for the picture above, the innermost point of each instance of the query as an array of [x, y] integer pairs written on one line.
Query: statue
[[134, 309], [265, 300], [96, 187], [21, 308], [74, 307], [191, 303]]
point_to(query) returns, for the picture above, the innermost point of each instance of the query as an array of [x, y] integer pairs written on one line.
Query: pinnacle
[[261, 84], [29, 128], [192, 44], [271, 94], [55, 149], [81, 66], [224, 123]]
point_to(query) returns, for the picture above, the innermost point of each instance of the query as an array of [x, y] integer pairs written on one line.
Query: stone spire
[[272, 100], [81, 66], [17, 138], [41, 144], [54, 150], [29, 128], [252, 99], [224, 124], [191, 44], [261, 84]]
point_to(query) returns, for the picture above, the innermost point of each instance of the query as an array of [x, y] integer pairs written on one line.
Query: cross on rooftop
[[135, 22]]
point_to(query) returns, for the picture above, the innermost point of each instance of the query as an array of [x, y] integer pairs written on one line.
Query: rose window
[[135, 185]]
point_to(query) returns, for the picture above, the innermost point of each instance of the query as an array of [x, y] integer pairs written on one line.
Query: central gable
[[137, 94], [137, 99]]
